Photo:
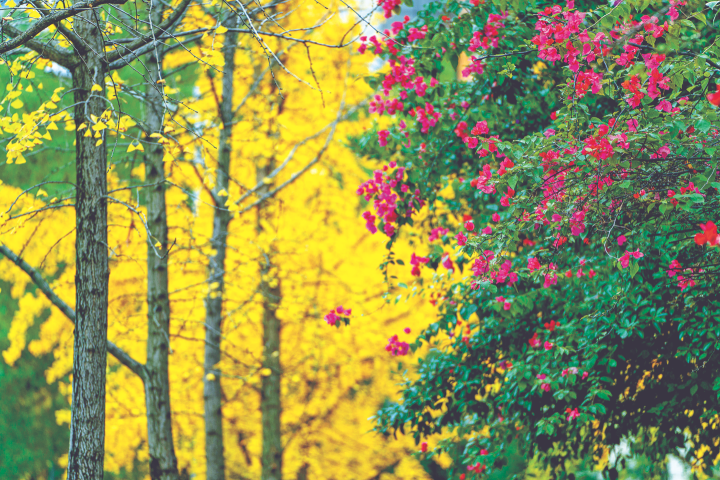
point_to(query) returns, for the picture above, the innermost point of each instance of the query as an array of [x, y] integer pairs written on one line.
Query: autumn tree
[[305, 170], [90, 62]]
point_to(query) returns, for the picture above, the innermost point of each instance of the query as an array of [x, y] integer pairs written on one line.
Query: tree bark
[[163, 462], [87, 425], [212, 390], [270, 402]]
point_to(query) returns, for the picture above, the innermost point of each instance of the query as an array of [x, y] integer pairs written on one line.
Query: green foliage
[[646, 340], [30, 438]]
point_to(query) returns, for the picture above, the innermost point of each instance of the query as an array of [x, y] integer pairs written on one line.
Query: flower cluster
[[338, 315]]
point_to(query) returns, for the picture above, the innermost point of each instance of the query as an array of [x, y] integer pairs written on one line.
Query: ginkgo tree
[[167, 188], [566, 184]]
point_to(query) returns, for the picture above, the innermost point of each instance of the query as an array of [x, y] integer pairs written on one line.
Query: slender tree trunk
[[270, 404], [270, 401], [163, 462], [87, 425], [212, 391]]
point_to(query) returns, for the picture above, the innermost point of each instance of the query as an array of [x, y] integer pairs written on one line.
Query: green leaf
[[512, 182], [633, 270], [703, 125], [693, 389]]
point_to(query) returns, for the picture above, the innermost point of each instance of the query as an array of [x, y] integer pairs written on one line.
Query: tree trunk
[[87, 425], [212, 391], [270, 404], [163, 462]]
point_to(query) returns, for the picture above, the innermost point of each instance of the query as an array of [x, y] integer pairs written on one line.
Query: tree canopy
[[555, 167]]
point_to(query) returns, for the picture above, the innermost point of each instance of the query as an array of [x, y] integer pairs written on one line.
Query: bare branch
[[54, 18], [122, 357]]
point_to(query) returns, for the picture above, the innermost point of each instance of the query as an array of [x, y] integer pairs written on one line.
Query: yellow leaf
[[221, 29], [93, 118], [132, 147], [210, 377], [29, 88], [98, 143], [158, 245], [17, 103], [20, 160], [40, 86], [47, 136], [82, 125], [96, 88], [223, 193], [51, 105], [52, 126], [267, 180], [265, 372], [41, 193], [55, 97], [100, 126]]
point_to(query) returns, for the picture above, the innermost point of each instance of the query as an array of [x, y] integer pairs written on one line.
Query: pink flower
[[548, 346], [632, 125], [415, 261], [487, 230], [625, 260], [534, 341], [483, 451], [549, 132], [585, 375], [572, 413], [469, 226], [533, 264], [550, 279], [591, 273], [495, 217], [637, 254], [461, 239], [341, 311], [447, 263], [545, 387], [481, 128], [331, 318], [621, 239], [407, 330], [541, 376], [550, 327], [664, 106], [507, 306]]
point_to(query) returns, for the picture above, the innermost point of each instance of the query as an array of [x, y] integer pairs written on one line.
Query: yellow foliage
[[333, 380]]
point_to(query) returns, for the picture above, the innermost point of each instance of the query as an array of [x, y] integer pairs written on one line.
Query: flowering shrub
[[579, 142]]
